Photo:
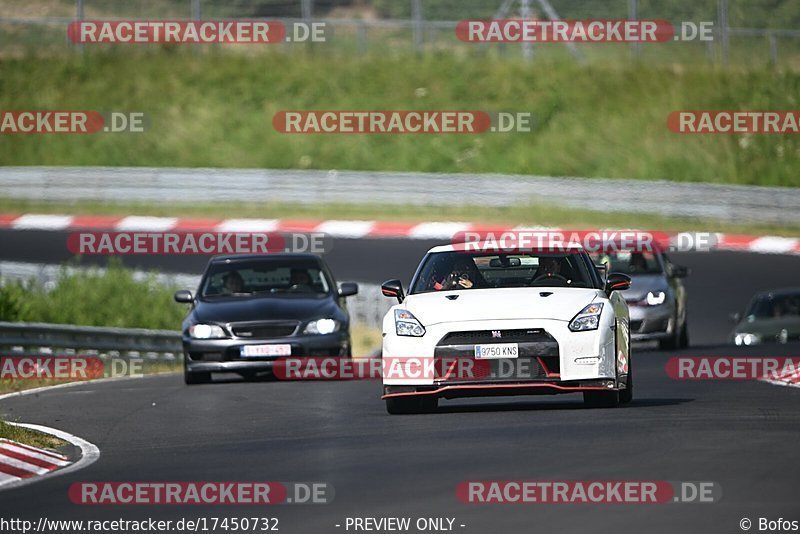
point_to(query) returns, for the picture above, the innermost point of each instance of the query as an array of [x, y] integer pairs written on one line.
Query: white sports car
[[484, 322]]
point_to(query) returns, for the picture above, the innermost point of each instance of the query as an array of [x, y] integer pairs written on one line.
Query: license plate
[[250, 351], [496, 351]]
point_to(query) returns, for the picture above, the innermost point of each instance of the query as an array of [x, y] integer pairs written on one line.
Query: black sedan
[[252, 309], [772, 317]]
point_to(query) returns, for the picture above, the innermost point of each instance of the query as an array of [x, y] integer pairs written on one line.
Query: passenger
[[463, 275], [549, 270]]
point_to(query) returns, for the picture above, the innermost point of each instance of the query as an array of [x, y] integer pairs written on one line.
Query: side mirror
[[184, 296], [618, 282], [348, 289], [393, 288], [735, 317], [679, 271]]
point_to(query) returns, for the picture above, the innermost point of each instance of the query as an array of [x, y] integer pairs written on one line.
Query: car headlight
[[405, 324], [654, 298], [206, 331], [322, 326], [588, 318], [747, 339]]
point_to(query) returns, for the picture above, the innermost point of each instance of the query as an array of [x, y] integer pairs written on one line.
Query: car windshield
[[265, 277], [774, 306], [628, 262], [464, 270]]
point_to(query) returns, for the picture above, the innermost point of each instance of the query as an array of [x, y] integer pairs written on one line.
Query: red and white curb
[[22, 464], [19, 461], [348, 229], [788, 378]]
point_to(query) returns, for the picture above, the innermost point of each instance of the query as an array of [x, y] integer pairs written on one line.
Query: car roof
[[278, 256], [486, 247]]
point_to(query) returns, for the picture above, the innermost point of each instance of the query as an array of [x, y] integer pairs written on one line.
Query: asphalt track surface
[[741, 435]]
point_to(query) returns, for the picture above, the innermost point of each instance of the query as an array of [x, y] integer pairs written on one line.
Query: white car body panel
[[505, 309]]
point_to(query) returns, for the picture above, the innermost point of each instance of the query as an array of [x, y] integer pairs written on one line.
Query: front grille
[[538, 356], [636, 326], [475, 337], [264, 330]]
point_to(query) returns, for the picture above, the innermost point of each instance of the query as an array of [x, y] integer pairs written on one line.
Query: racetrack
[[741, 435]]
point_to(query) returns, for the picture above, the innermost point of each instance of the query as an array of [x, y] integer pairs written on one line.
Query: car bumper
[[223, 355], [458, 391], [651, 323], [581, 356]]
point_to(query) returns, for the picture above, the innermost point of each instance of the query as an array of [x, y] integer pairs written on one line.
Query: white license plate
[[496, 350], [250, 351]]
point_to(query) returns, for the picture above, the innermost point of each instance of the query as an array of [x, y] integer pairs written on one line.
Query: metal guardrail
[[735, 203], [45, 338]]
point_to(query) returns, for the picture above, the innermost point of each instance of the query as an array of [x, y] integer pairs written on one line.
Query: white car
[[486, 322]]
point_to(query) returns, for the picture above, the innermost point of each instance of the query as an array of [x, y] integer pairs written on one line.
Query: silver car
[[656, 298]]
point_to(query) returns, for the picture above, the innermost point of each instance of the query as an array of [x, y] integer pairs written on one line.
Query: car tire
[[674, 341], [411, 405], [601, 399], [684, 339], [626, 395], [196, 377]]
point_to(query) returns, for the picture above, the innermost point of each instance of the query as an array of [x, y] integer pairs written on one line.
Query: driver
[[549, 267], [233, 282], [638, 263], [299, 277]]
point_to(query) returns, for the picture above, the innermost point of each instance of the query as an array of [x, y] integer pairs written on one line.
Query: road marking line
[[42, 222], [146, 224], [247, 225], [351, 229]]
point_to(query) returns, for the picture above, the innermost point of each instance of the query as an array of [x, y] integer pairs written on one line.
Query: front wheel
[[673, 341], [626, 395], [684, 339]]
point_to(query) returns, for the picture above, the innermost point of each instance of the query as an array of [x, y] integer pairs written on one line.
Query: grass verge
[[29, 437], [215, 110]]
